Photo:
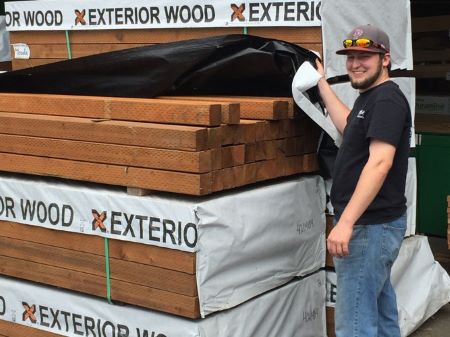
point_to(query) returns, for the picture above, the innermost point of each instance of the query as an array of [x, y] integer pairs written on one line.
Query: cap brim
[[361, 49]]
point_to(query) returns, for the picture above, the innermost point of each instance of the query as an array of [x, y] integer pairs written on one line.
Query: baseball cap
[[366, 38]]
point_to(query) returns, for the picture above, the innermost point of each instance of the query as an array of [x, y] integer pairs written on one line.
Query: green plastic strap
[[245, 30], [107, 271], [69, 51]]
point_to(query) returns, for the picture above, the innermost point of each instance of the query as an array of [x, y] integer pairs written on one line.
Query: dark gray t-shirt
[[380, 113]]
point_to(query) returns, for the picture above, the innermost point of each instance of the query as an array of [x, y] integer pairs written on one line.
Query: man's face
[[364, 69]]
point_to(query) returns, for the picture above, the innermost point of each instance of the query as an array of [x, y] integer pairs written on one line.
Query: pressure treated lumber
[[46, 51], [92, 264], [10, 329], [159, 180], [128, 109], [18, 64], [173, 259], [138, 156], [119, 35], [177, 137], [267, 108], [95, 285], [297, 35]]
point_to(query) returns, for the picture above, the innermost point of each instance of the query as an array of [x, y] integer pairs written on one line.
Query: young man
[[368, 187]]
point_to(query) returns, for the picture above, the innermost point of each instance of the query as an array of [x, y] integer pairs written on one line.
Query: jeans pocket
[[358, 243], [393, 233]]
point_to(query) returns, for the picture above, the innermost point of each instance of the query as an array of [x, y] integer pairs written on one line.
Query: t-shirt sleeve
[[387, 122]]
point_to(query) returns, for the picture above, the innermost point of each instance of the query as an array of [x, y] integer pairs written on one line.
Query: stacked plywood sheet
[[52, 46], [166, 144]]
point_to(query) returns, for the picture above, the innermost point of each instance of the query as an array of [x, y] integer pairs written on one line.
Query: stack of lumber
[[431, 46], [186, 145], [187, 283], [51, 46], [164, 144], [142, 275]]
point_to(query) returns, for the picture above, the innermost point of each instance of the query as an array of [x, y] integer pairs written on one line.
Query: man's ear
[[386, 59]]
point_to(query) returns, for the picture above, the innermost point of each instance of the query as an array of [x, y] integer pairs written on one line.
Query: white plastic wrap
[[295, 310], [246, 242]]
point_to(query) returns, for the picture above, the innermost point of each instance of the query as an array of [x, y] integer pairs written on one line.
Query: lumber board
[[243, 133], [432, 123], [17, 64], [178, 137], [92, 264], [47, 51], [95, 285], [171, 160], [297, 35], [10, 329], [430, 70], [119, 36], [258, 171], [233, 155], [330, 321], [265, 108], [5, 66], [176, 260], [116, 108], [430, 23], [421, 55], [159, 180]]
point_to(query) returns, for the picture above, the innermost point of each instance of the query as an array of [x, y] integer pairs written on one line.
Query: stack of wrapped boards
[[207, 253]]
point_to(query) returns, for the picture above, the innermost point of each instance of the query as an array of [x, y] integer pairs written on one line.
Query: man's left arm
[[373, 175]]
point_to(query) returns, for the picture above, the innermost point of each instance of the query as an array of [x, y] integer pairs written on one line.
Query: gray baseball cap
[[357, 40]]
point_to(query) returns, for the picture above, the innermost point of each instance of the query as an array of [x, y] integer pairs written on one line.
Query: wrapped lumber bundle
[[296, 309], [203, 119], [185, 256], [188, 139]]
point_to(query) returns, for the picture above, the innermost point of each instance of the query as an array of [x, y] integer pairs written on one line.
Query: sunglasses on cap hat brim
[[363, 45]]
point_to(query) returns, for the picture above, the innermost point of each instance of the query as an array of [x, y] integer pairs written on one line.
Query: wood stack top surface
[[187, 145]]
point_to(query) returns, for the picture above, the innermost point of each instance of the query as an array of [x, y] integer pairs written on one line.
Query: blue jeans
[[366, 305]]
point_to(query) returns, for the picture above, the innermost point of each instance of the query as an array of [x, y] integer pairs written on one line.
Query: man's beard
[[368, 82]]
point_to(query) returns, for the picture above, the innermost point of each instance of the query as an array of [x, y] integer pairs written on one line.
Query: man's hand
[[338, 240], [320, 69]]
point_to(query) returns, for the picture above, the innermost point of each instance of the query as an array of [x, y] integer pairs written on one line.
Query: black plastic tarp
[[241, 65]]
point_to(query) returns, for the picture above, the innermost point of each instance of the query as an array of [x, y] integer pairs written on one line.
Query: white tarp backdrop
[[247, 241], [339, 17], [5, 53], [422, 286], [295, 310]]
